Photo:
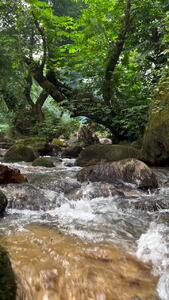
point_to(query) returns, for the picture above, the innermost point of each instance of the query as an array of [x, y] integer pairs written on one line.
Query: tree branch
[[66, 90], [37, 73], [27, 90], [41, 99]]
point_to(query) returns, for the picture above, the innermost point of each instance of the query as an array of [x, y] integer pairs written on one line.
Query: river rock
[[20, 153], [43, 162], [3, 202], [130, 171], [71, 152], [9, 175], [64, 267], [58, 145], [156, 137], [39, 145], [7, 277], [95, 190], [94, 154]]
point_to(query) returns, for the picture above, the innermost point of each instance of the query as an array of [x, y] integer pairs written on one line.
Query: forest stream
[[67, 242]]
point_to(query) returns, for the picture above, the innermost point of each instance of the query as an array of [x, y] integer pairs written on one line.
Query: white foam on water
[[71, 210], [153, 246]]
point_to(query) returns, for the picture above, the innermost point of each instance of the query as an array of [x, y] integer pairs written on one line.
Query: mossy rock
[[58, 143], [38, 144], [20, 153], [71, 152], [7, 277], [3, 203], [156, 138], [43, 162], [94, 154]]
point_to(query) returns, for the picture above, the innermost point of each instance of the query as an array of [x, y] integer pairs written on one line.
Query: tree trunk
[[37, 107]]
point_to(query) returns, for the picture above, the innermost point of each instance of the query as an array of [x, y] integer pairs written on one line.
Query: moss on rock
[[156, 138], [20, 153], [3, 202], [38, 144], [58, 143], [43, 162], [7, 277], [94, 154]]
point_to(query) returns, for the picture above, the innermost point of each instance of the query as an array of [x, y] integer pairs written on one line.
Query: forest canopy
[[95, 59]]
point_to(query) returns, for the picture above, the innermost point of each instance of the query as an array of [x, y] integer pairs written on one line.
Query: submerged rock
[[3, 203], [151, 205], [19, 153], [95, 190], [9, 175], [51, 265], [7, 277], [130, 171], [94, 154], [43, 162]]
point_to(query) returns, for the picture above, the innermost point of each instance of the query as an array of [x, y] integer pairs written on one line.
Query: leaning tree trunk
[[37, 107]]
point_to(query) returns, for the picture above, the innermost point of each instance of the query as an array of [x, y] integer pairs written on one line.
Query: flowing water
[[69, 240]]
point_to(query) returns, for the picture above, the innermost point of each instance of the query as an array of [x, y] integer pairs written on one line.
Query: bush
[[54, 126]]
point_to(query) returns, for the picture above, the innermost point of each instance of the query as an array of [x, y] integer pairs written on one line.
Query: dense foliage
[[95, 58]]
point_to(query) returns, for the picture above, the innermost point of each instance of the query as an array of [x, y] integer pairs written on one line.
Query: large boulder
[[130, 171], [7, 278], [94, 154], [3, 202], [9, 175], [38, 145], [20, 153], [43, 162], [156, 137]]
